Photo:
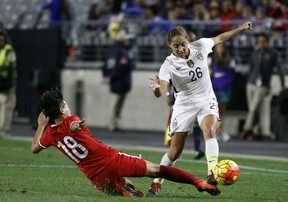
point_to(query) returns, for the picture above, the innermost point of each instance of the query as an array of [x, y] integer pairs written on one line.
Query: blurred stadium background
[[70, 55]]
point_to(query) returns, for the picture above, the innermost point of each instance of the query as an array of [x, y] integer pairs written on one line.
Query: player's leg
[[119, 105], [3, 102], [8, 108], [169, 159], [254, 106], [112, 111], [197, 137], [209, 125], [180, 176], [112, 179], [167, 138]]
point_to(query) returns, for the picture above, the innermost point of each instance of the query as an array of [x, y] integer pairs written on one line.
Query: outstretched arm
[[229, 34], [42, 122]]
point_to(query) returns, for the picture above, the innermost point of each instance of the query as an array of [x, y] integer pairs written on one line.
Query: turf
[[50, 176]]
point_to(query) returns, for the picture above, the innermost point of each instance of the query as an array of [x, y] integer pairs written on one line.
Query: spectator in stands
[[168, 11], [115, 19], [180, 13], [260, 15], [60, 11], [8, 77], [2, 27], [222, 76], [132, 10], [228, 12], [214, 16], [284, 9], [4, 31], [275, 11], [117, 73], [263, 61], [156, 23], [199, 12], [95, 15]]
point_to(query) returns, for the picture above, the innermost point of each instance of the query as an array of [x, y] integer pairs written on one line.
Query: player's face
[[179, 46], [262, 42], [65, 110]]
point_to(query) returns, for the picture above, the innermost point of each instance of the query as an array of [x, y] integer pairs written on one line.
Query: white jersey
[[190, 77]]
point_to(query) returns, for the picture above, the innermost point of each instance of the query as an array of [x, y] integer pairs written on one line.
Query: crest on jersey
[[174, 123], [199, 56], [190, 63]]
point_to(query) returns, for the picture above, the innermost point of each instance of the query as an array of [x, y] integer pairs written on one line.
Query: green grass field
[[50, 176]]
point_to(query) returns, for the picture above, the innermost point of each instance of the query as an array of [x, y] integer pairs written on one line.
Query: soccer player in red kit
[[104, 166]]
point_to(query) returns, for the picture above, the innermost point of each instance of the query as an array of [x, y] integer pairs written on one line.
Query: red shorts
[[111, 180]]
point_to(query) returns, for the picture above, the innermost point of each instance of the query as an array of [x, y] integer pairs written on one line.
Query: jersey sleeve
[[71, 119], [44, 141], [207, 44], [164, 72]]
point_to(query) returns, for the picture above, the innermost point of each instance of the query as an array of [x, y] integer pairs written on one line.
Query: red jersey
[[89, 154]]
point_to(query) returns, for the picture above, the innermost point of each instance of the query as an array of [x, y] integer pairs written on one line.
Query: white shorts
[[185, 114]]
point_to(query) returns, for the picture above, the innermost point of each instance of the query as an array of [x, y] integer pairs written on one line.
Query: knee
[[209, 132]]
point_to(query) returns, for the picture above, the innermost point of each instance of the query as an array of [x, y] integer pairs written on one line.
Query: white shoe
[[224, 137]]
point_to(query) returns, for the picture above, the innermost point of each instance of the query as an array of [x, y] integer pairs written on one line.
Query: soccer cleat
[[201, 186], [129, 191], [154, 188], [139, 194], [211, 180]]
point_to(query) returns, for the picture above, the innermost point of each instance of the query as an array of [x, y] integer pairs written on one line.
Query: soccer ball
[[226, 172]]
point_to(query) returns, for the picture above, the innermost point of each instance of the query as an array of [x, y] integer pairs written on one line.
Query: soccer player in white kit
[[187, 68]]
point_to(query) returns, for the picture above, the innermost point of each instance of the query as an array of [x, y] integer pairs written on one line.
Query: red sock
[[176, 175]]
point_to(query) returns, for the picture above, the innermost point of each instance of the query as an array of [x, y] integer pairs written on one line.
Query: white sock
[[212, 153], [166, 162]]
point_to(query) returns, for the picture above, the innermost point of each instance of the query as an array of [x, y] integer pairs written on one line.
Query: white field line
[[165, 149], [241, 167], [183, 160], [36, 166]]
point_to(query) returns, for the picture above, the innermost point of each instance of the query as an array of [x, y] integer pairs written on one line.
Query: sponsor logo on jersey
[[178, 67]]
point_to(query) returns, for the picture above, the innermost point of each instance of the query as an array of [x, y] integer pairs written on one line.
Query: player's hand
[[77, 125], [154, 82], [247, 25], [42, 119]]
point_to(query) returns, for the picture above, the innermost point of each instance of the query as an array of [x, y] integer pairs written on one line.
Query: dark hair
[[50, 102], [176, 31], [92, 15], [264, 35]]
